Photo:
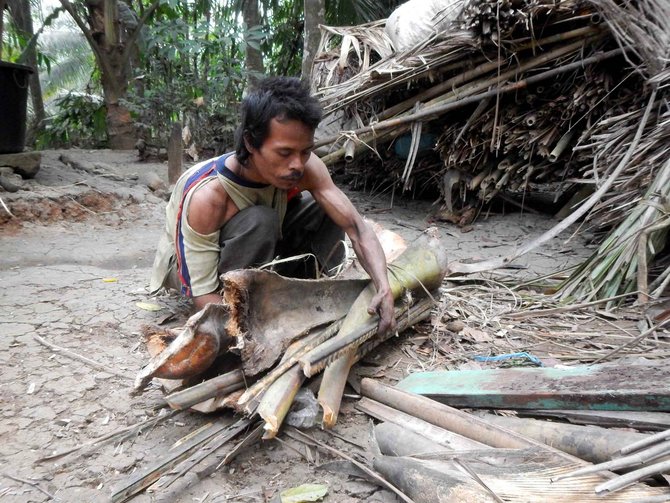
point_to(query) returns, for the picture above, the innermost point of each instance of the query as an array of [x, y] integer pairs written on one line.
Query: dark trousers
[[252, 238]]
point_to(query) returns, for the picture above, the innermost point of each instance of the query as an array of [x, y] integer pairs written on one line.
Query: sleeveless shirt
[[195, 256]]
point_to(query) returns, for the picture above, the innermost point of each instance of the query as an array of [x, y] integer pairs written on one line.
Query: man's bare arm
[[364, 241], [207, 213], [202, 300]]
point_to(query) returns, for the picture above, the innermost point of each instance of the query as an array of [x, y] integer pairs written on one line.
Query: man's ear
[[247, 143]]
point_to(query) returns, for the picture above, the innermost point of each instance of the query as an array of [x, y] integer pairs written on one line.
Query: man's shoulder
[[316, 174]]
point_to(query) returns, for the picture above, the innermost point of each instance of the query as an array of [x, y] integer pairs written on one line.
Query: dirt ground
[[75, 261]]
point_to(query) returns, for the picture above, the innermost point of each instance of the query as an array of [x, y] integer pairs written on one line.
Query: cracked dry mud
[[74, 278]]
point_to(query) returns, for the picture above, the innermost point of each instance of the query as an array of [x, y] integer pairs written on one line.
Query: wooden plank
[[440, 436], [646, 421], [591, 443], [175, 152], [604, 387]]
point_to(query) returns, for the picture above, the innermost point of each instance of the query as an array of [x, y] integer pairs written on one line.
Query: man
[[271, 197]]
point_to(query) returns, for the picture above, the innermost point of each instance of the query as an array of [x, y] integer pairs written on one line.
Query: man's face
[[280, 161]]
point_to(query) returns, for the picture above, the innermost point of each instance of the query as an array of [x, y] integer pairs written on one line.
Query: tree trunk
[[315, 14], [253, 57], [2, 24], [20, 10], [112, 49]]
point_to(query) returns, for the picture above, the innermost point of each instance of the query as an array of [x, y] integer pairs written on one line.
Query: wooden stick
[[250, 439], [301, 437], [563, 309], [639, 338], [83, 359], [138, 427], [30, 483], [315, 360], [623, 462], [651, 439], [210, 447], [144, 479], [223, 384], [631, 477], [6, 208]]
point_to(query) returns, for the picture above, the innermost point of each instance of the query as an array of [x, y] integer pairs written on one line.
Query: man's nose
[[296, 162]]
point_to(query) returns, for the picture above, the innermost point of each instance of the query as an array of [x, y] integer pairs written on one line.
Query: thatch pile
[[519, 94]]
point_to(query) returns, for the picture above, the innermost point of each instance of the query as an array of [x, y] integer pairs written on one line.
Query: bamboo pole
[[430, 112], [220, 385], [278, 398], [452, 419]]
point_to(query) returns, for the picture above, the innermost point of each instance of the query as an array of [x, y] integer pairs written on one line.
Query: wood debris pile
[[517, 96], [433, 452], [254, 352]]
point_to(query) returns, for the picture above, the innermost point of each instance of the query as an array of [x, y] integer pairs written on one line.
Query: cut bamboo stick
[[217, 386], [630, 478], [422, 265], [278, 398], [641, 444], [624, 462], [301, 347]]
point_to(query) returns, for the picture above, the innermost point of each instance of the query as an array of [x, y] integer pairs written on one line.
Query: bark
[[112, 44], [252, 55], [20, 10], [2, 23], [315, 14]]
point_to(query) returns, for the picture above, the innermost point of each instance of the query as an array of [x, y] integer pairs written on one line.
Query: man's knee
[[248, 239], [256, 223]]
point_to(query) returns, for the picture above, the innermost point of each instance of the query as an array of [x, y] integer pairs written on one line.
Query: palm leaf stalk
[[613, 268], [422, 266]]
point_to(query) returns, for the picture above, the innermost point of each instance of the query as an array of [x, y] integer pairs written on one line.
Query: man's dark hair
[[283, 98]]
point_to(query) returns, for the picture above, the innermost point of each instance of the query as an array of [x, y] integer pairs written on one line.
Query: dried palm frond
[[613, 268], [571, 129]]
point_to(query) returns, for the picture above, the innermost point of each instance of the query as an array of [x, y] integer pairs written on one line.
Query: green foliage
[[189, 71], [79, 121], [282, 48], [17, 43], [189, 66]]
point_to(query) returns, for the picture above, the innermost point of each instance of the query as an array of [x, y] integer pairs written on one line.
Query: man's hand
[[382, 304], [201, 301]]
